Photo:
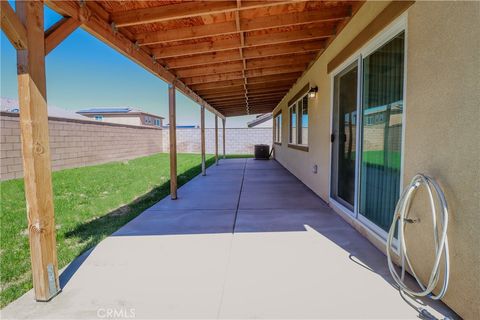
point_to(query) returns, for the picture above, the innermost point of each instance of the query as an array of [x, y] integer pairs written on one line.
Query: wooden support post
[[202, 137], [36, 152], [223, 122], [173, 140], [216, 140]]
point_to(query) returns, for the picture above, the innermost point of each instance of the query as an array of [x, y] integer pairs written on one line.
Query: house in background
[[127, 115], [12, 106]]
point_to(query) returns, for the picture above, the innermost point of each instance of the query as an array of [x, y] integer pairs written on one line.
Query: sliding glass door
[[344, 136], [382, 113], [367, 132]]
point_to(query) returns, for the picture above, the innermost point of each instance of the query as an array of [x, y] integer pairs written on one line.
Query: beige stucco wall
[[441, 131]]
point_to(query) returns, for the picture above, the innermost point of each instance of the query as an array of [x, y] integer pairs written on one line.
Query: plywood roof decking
[[240, 56]]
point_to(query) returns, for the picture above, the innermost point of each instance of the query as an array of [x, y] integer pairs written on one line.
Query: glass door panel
[[344, 136], [382, 109]]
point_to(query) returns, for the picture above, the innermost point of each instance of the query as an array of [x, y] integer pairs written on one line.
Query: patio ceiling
[[236, 57]]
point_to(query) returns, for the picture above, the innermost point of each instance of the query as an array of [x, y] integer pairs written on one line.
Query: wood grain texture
[[172, 128], [36, 152], [12, 26]]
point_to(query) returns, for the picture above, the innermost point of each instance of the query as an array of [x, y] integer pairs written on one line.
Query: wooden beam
[[217, 85], [59, 32], [322, 14], [213, 78], [210, 69], [94, 22], [239, 75], [390, 13], [307, 32], [216, 140], [292, 76], [36, 151], [202, 139], [184, 10], [242, 95], [187, 33], [187, 49], [229, 27], [252, 91], [172, 128], [203, 59], [286, 48], [265, 80], [13, 27], [275, 70], [279, 60]]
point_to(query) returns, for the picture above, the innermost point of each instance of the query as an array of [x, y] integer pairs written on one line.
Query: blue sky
[[83, 72]]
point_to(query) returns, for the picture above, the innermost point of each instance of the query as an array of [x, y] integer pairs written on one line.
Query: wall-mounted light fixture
[[312, 93]]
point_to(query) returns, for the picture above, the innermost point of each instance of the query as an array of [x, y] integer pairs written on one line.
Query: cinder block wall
[[77, 143], [238, 140]]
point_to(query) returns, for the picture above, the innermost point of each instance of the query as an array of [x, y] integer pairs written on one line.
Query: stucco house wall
[[440, 138]]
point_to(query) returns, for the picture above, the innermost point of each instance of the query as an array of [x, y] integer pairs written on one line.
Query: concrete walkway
[[249, 240]]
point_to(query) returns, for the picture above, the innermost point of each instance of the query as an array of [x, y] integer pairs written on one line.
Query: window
[[293, 124], [99, 118], [299, 121], [278, 128], [157, 122]]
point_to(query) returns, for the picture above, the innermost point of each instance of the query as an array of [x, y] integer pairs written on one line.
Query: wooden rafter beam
[[249, 74], [195, 48], [242, 102], [248, 53], [13, 28], [279, 61], [247, 25], [203, 59], [245, 65], [252, 93], [310, 32], [266, 80], [240, 97], [239, 94], [210, 69], [185, 10], [250, 86], [286, 48], [94, 22], [59, 32]]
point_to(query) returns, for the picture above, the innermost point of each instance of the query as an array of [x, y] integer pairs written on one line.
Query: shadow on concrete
[[276, 213]]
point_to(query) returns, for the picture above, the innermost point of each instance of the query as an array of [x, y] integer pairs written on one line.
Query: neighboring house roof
[[11, 105], [259, 120], [116, 111]]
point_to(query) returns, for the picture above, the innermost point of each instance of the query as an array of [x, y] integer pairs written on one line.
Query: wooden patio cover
[[233, 57]]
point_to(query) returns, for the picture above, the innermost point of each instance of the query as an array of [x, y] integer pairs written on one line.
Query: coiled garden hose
[[401, 217]]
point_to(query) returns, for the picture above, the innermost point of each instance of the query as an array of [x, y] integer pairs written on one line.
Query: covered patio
[[248, 240]]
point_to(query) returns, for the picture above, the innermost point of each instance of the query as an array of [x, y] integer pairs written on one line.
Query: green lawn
[[90, 204]]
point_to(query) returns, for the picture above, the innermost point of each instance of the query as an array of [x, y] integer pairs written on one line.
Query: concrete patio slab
[[253, 248]]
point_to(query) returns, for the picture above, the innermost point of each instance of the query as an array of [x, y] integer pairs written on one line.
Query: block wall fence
[[78, 143]]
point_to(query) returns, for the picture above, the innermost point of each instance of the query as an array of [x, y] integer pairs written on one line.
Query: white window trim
[[298, 128], [278, 127], [388, 33]]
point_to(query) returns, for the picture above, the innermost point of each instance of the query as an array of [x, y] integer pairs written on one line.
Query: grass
[[90, 204]]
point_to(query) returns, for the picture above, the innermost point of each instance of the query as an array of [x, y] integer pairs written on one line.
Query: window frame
[[277, 134], [298, 106]]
